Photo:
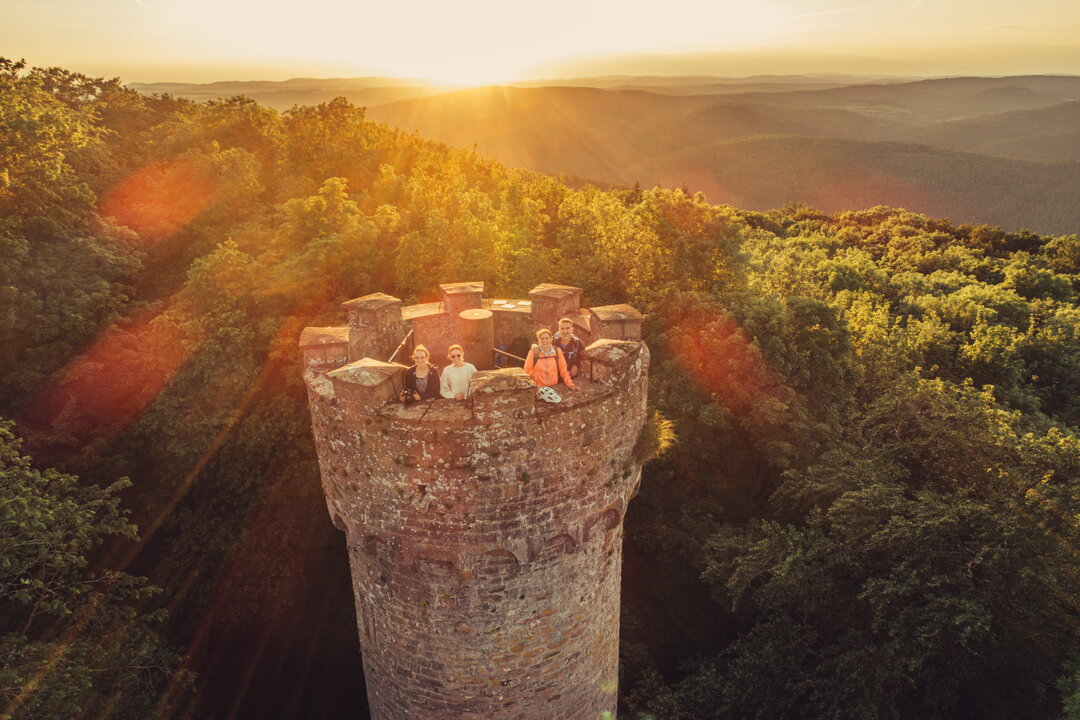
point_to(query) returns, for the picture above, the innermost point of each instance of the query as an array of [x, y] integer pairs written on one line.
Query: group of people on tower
[[553, 358]]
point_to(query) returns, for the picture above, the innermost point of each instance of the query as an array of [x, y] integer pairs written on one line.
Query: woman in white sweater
[[455, 377]]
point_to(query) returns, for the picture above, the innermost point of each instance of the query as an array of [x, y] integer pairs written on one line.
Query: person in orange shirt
[[545, 363]]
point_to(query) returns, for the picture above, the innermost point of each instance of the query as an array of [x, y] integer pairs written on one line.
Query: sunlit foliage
[[72, 641], [862, 494]]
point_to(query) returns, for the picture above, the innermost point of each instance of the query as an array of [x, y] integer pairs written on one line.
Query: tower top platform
[[364, 362]]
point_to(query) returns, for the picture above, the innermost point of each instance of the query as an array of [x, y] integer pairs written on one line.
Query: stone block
[[373, 311], [436, 333], [368, 381], [325, 346], [451, 413], [462, 296], [551, 302], [375, 326], [502, 395], [609, 360], [615, 322]]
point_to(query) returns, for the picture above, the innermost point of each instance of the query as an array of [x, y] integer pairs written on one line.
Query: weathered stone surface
[[500, 394], [368, 381], [375, 326], [325, 345], [318, 336], [551, 302], [372, 310], [485, 535], [617, 322], [437, 332], [555, 292], [462, 296], [610, 360]]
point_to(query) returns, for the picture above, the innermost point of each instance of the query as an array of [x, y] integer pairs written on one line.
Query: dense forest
[[870, 510]]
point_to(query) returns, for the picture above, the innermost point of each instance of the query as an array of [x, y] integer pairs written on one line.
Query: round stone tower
[[484, 535]]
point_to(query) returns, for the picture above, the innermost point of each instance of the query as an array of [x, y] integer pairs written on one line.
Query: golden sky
[[472, 41]]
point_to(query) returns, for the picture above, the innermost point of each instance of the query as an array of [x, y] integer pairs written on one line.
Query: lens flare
[[161, 198], [717, 356], [104, 388]]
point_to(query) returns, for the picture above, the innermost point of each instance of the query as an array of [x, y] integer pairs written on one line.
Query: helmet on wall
[[549, 394]]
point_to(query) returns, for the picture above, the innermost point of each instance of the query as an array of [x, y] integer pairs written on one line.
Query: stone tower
[[484, 535]]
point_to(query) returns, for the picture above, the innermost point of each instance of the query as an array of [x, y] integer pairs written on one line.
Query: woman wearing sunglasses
[[456, 375]]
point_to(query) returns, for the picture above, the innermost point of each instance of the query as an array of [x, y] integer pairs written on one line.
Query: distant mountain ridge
[[834, 174], [928, 101], [838, 142], [284, 94], [1050, 134], [367, 91], [598, 133], [986, 143]]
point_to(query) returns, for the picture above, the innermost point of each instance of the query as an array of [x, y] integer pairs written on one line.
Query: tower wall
[[485, 536]]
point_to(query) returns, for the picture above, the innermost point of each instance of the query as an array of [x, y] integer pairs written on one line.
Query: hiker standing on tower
[[570, 345], [545, 363]]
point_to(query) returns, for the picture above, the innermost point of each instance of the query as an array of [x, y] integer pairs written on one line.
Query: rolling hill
[[765, 172], [577, 131], [936, 100], [599, 133], [834, 148], [1049, 134]]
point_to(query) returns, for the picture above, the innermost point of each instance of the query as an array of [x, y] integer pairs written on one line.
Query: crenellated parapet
[[484, 535], [379, 322]]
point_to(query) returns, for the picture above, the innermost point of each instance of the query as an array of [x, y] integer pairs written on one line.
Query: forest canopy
[[870, 511]]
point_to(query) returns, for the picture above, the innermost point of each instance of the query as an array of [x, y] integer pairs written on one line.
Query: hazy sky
[[496, 40]]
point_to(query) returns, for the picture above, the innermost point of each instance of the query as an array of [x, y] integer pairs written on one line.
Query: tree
[[72, 640], [63, 271]]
